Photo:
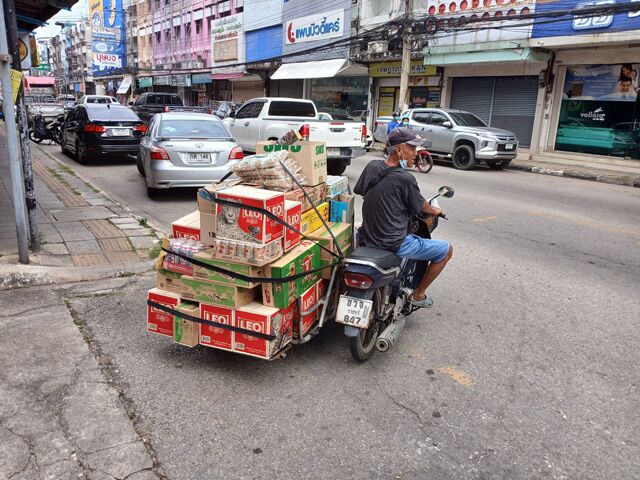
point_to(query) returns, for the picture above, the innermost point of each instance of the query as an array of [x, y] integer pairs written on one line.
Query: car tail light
[[364, 134], [357, 280], [158, 153], [93, 128], [236, 154], [305, 130], [141, 128]]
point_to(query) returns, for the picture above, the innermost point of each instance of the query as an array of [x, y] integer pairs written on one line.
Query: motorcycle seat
[[382, 258]]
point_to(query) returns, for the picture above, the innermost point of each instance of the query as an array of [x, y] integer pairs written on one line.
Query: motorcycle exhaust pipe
[[390, 334]]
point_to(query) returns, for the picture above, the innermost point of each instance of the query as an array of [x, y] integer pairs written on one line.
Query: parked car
[[270, 118], [44, 104], [96, 130], [97, 99], [223, 109], [458, 136], [186, 150], [328, 117], [150, 103]]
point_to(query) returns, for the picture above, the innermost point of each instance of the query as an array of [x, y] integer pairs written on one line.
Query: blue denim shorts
[[417, 248]]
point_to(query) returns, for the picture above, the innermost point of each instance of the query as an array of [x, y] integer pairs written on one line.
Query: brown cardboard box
[[186, 332], [311, 156], [203, 273], [317, 193], [211, 293], [187, 226], [310, 221], [169, 281], [205, 204], [208, 228]]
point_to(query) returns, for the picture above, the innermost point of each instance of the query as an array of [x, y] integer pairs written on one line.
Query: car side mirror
[[447, 124]]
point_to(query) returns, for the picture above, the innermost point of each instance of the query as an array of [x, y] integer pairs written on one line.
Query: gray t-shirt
[[388, 205]]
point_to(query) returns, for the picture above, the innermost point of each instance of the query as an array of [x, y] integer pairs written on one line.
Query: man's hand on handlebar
[[429, 210]]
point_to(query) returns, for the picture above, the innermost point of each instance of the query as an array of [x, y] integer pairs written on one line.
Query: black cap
[[405, 135]]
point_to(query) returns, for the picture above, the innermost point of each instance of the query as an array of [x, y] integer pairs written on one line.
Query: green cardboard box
[[302, 258], [220, 294], [203, 273], [311, 156], [342, 232]]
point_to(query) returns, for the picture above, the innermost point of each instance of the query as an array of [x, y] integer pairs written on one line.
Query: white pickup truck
[[270, 118]]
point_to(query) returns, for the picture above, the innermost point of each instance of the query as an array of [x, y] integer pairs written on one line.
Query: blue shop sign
[[575, 25]]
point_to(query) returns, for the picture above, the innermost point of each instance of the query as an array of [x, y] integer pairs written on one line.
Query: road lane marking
[[483, 219], [587, 222], [457, 376]]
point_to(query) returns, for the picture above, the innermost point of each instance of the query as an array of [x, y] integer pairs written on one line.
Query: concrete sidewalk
[[79, 226]]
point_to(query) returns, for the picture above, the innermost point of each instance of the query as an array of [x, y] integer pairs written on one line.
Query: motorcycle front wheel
[[363, 346], [424, 162], [33, 138], [57, 134]]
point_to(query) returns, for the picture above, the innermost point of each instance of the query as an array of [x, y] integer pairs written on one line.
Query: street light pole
[[17, 185], [406, 58]]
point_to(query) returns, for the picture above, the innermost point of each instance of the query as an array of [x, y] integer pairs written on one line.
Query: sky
[[80, 9]]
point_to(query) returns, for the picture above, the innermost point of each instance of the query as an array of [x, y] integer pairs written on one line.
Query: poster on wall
[[108, 38], [227, 44], [599, 112]]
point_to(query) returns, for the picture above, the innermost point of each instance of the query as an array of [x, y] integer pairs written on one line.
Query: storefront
[[201, 88], [424, 86]]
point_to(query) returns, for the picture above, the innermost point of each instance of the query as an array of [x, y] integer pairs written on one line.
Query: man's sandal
[[425, 302]]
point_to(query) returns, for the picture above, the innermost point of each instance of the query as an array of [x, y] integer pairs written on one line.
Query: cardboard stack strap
[[222, 278]]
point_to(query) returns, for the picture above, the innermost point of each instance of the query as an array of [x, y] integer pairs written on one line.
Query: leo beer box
[[259, 318], [235, 223], [212, 336], [159, 321]]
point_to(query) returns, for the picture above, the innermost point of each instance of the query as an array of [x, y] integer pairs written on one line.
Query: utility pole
[[15, 167], [30, 195], [406, 57]]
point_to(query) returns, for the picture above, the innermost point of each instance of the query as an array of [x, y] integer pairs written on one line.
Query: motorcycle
[[423, 161], [379, 285], [42, 130]]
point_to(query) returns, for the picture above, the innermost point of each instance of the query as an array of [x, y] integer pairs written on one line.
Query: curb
[[610, 178], [17, 276]]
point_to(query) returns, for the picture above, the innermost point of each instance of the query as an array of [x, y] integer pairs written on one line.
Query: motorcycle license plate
[[509, 146], [354, 311], [120, 132], [333, 152]]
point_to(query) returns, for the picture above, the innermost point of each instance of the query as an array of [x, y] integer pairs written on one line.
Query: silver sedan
[[186, 150]]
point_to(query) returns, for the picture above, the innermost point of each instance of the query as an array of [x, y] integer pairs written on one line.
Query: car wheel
[[499, 165], [140, 166], [463, 157], [153, 192], [336, 168], [81, 156]]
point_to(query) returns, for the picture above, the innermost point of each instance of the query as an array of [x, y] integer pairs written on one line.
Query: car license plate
[[354, 311], [120, 132], [199, 158], [333, 152], [509, 146]]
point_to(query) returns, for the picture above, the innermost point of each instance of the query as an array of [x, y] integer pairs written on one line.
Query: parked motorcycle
[[42, 130], [379, 286], [423, 161]]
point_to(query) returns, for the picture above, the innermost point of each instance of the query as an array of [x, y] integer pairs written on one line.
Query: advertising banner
[[320, 26], [578, 25], [108, 37], [227, 43], [393, 69]]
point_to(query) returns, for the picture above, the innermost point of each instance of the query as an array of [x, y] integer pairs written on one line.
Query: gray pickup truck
[[150, 103], [458, 136], [45, 104]]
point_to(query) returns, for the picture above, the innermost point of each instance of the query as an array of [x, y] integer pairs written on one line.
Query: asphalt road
[[526, 367]]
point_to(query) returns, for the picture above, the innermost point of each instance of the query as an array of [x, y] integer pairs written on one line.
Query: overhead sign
[[108, 37], [393, 69], [312, 28], [582, 25]]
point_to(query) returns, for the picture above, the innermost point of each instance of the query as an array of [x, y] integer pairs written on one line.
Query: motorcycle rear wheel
[[424, 162], [363, 346], [33, 138]]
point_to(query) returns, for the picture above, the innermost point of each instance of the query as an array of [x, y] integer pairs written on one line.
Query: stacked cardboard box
[[242, 254]]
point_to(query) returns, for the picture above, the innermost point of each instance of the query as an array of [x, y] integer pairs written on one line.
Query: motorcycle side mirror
[[445, 191], [447, 124]]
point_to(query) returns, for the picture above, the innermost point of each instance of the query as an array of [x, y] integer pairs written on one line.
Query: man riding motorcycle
[[391, 197], [394, 123]]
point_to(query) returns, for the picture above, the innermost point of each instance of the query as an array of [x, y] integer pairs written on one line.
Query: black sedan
[[99, 130]]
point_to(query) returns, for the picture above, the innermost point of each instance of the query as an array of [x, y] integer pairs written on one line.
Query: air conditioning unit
[[198, 64], [379, 46]]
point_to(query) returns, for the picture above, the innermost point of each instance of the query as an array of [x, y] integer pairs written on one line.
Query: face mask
[[403, 163], [405, 124]]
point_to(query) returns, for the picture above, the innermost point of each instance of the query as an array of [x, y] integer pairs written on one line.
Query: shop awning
[[320, 69], [489, 56], [226, 76], [124, 86]]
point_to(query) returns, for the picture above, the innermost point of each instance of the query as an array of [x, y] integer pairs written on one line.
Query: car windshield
[[31, 99], [100, 100], [192, 128], [466, 119]]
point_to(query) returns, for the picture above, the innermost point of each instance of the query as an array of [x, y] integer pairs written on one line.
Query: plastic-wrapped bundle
[[266, 171]]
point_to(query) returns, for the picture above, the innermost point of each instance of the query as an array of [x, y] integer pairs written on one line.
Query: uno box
[[187, 226], [202, 273], [317, 193], [336, 184], [342, 232], [310, 156], [259, 318], [205, 194], [159, 321], [292, 214], [220, 294], [342, 208], [169, 281], [310, 221], [235, 223], [303, 258], [217, 337], [186, 332]]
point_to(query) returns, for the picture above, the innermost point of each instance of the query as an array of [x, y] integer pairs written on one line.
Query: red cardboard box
[[217, 337], [262, 319], [245, 225], [307, 301], [158, 321], [292, 213], [187, 226]]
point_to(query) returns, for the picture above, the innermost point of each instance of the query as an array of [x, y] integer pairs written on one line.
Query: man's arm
[[429, 210]]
